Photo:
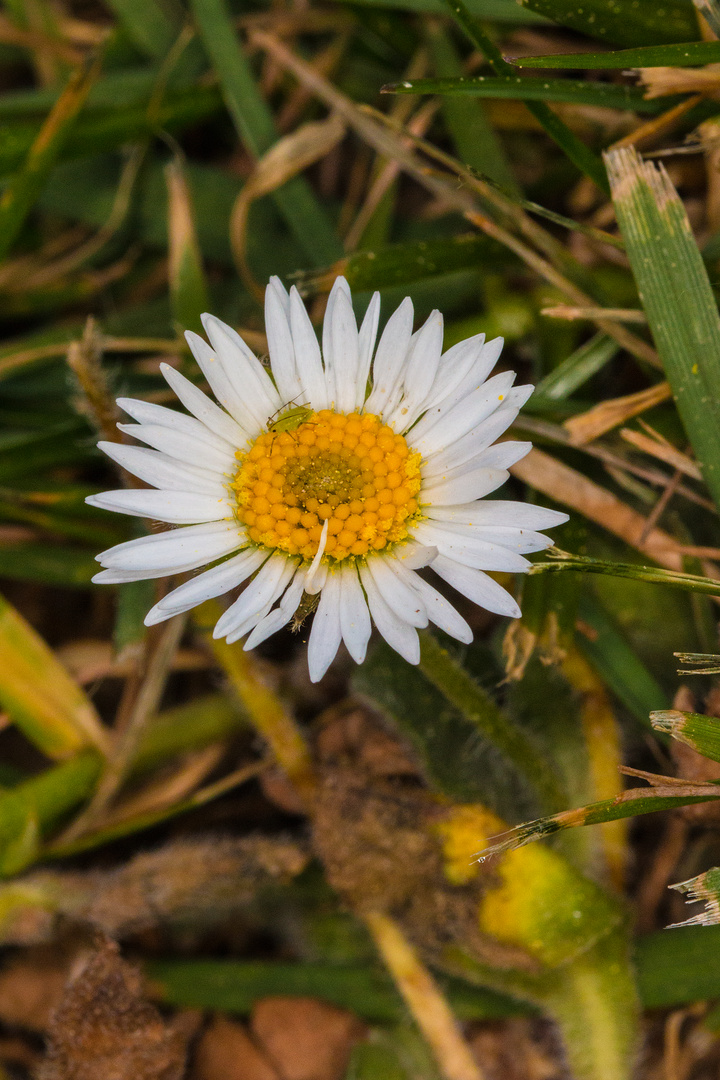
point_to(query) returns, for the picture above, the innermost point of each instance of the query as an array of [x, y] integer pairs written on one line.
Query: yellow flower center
[[349, 470]]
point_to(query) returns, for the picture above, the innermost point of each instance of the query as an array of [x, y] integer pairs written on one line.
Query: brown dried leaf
[[103, 1028], [608, 414], [306, 1039], [226, 1052]]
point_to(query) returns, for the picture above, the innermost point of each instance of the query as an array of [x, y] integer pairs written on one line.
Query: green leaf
[[532, 89], [687, 55], [677, 297], [678, 966], [623, 22], [703, 888], [234, 986], [402, 264], [255, 125], [48, 564]]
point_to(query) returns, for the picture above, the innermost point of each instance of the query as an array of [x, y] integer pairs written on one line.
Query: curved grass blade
[[687, 55], [677, 297], [520, 88]]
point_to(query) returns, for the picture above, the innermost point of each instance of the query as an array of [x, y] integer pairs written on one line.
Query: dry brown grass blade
[[564, 311], [609, 414], [654, 129], [570, 488], [663, 451], [285, 159]]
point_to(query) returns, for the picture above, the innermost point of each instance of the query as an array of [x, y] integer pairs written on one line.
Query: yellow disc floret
[[350, 470]]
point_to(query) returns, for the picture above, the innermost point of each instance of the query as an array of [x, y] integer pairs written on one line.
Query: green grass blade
[[700, 732], [577, 368], [24, 188], [623, 23], [256, 128], [403, 264], [234, 986], [581, 155], [677, 297], [536, 90], [688, 55], [476, 142], [679, 966], [562, 562], [147, 24]]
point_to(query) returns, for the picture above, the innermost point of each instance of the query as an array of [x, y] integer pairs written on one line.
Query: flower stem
[[423, 998], [463, 692]]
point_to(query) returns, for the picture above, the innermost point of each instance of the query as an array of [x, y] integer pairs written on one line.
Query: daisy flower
[[338, 472]]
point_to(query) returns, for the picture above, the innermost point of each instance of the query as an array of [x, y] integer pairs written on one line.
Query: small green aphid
[[289, 420]]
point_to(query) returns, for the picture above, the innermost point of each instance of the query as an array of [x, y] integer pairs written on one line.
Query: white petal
[[399, 635], [254, 597], [163, 471], [470, 384], [279, 616], [513, 538], [282, 353], [463, 488], [176, 550], [227, 387], [207, 412], [308, 360], [120, 577], [325, 635], [157, 415], [264, 601], [500, 512], [465, 415], [173, 507], [354, 615], [214, 582], [504, 455], [390, 357], [316, 583], [441, 612], [396, 593], [469, 446], [366, 344], [310, 584], [178, 445], [477, 586], [342, 355], [414, 555], [471, 551], [249, 378], [422, 365], [454, 366], [281, 293]]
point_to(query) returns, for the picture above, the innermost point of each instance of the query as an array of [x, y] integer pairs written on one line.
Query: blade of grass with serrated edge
[[623, 23], [687, 55], [147, 24], [38, 693], [580, 154], [535, 90], [677, 297], [23, 189], [256, 128]]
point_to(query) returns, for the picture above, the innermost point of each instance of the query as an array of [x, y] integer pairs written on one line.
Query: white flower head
[[338, 472]]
